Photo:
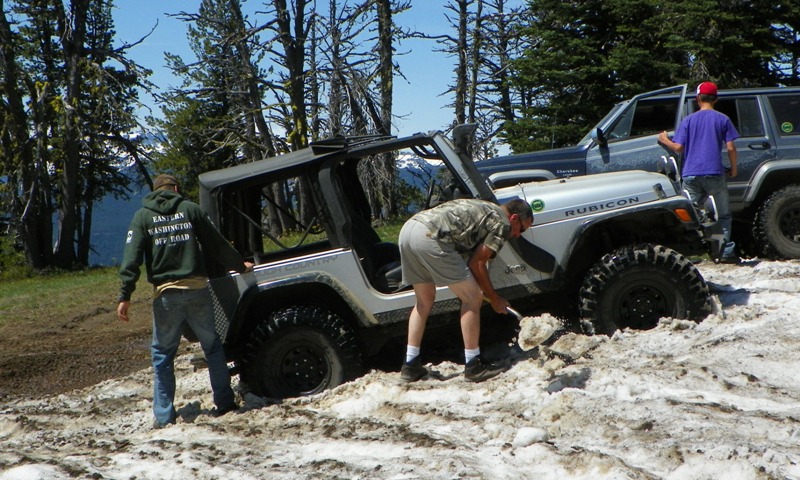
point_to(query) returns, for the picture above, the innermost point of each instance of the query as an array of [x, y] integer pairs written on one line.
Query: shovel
[[534, 330]]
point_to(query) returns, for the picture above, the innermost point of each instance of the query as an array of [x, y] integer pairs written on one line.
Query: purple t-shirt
[[703, 135]]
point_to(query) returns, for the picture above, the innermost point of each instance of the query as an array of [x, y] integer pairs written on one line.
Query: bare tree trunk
[[475, 64], [503, 38], [386, 162], [72, 29], [335, 97], [252, 109], [462, 48], [85, 208], [292, 35]]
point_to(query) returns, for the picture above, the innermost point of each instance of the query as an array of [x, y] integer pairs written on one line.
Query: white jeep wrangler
[[609, 249]]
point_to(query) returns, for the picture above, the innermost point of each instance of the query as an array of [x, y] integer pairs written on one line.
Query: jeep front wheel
[[300, 350], [637, 285], [777, 224]]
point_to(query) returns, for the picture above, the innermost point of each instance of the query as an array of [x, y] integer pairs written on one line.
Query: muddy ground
[[56, 355]]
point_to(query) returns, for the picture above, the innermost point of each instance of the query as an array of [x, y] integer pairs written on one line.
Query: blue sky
[[419, 100]]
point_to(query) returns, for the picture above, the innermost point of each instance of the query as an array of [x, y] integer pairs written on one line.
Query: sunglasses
[[521, 226]]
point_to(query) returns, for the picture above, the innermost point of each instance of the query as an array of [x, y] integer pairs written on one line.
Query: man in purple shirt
[[699, 138]]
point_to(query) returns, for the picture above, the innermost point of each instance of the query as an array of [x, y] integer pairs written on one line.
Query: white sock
[[470, 354], [412, 352]]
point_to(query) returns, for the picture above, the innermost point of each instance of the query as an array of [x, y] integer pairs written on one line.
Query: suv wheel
[[637, 285], [777, 224], [301, 350]]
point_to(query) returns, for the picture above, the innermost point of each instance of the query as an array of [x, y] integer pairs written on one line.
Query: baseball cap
[[164, 179], [707, 88]]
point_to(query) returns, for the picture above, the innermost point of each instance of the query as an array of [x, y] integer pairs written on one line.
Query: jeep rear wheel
[[300, 350], [777, 224], [637, 285]]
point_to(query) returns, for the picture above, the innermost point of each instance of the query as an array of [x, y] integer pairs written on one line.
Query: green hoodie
[[167, 234]]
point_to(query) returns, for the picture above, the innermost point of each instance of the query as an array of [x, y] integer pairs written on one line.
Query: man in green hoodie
[[169, 235]]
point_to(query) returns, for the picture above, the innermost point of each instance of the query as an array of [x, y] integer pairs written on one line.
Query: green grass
[[388, 231], [57, 295]]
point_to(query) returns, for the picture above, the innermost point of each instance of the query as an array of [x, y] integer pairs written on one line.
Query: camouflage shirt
[[466, 223]]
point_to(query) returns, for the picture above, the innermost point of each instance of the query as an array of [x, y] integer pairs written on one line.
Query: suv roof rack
[[341, 142]]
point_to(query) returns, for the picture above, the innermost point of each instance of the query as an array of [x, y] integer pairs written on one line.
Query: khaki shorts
[[426, 260]]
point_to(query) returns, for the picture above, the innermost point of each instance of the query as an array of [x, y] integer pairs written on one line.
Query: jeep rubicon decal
[[598, 207]]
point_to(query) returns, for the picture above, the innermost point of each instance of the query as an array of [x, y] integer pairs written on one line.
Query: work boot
[[218, 412], [478, 370], [413, 370]]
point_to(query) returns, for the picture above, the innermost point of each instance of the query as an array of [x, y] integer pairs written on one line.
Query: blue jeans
[[700, 188], [171, 311]]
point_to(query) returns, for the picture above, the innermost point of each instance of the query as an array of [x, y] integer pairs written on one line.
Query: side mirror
[[599, 137]]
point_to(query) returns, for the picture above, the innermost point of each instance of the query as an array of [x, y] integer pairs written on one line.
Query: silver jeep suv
[[765, 195]]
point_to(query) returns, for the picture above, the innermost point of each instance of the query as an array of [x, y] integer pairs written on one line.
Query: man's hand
[[122, 310], [663, 139], [499, 304]]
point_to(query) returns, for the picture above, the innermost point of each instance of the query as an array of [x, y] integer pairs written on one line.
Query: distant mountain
[[417, 171]]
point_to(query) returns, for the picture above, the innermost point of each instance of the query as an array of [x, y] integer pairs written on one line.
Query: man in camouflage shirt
[[450, 245]]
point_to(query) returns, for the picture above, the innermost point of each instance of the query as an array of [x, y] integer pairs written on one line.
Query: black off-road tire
[[300, 350], [635, 286], [776, 227]]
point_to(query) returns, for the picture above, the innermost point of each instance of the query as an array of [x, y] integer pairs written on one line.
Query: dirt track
[[58, 355]]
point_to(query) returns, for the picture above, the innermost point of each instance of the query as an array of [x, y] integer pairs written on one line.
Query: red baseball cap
[[707, 88]]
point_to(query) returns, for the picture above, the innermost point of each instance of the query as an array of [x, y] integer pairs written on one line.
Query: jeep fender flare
[[596, 223], [774, 174], [286, 290]]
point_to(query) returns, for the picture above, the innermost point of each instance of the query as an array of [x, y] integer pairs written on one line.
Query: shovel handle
[[510, 310], [514, 312]]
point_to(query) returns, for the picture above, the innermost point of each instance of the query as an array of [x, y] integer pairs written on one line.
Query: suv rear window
[[744, 113], [786, 109]]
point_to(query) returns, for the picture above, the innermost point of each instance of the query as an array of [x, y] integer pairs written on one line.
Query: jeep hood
[[564, 162], [571, 198]]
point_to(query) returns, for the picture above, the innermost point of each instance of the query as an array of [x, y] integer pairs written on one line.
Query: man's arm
[[664, 139], [132, 259], [478, 266], [732, 156]]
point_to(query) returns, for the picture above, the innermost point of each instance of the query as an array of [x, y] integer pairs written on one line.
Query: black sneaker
[[218, 412], [413, 370], [478, 370]]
